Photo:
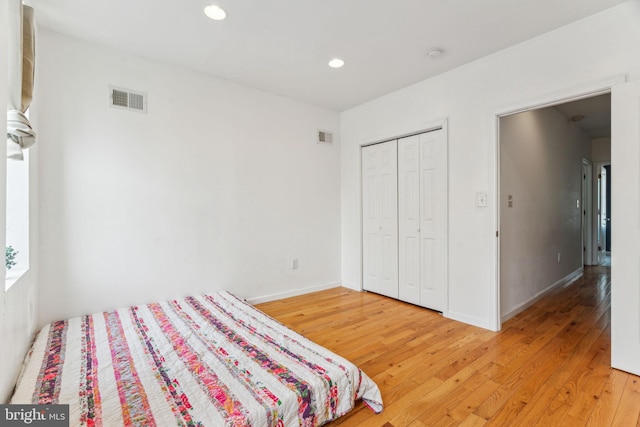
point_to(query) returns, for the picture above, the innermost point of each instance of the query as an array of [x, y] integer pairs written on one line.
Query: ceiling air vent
[[127, 99], [325, 137]]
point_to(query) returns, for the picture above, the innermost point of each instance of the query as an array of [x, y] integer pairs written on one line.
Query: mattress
[[209, 360]]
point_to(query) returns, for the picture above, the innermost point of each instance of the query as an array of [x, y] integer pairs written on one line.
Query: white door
[[433, 219], [409, 219], [625, 251], [422, 196], [602, 209], [586, 212], [380, 218]]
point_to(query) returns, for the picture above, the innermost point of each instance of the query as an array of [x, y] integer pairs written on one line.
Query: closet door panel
[[409, 219], [433, 199], [370, 232], [380, 218]]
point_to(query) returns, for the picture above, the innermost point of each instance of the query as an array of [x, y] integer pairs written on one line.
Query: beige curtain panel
[[20, 134]]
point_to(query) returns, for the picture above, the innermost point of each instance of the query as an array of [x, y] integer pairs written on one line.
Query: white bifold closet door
[[422, 219], [404, 199], [380, 218]]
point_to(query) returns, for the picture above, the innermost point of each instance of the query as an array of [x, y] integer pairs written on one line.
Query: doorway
[[624, 146], [548, 228]]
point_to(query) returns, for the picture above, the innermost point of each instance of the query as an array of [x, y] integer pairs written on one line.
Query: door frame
[[594, 88]]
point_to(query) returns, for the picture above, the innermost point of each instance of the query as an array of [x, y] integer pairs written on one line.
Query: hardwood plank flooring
[[550, 365]]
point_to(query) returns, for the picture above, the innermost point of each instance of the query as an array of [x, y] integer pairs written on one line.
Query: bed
[[208, 360]]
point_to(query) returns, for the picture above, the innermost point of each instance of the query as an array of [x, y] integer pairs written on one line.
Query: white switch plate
[[481, 199]]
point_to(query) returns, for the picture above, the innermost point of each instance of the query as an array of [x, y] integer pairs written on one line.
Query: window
[[20, 136], [17, 217]]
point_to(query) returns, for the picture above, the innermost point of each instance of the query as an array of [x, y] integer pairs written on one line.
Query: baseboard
[[293, 293], [470, 320], [352, 286], [568, 279]]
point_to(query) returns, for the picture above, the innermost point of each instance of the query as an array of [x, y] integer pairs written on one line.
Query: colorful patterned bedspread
[[211, 360]]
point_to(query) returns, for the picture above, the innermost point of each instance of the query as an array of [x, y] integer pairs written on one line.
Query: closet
[[404, 199]]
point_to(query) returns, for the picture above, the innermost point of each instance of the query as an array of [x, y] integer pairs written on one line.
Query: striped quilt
[[211, 360]]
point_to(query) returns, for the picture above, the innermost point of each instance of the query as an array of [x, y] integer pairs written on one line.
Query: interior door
[[409, 219], [602, 233], [625, 261], [433, 219], [380, 218], [586, 212], [608, 208]]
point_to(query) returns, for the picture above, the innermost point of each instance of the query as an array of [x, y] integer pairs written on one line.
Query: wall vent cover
[[325, 137], [127, 99]]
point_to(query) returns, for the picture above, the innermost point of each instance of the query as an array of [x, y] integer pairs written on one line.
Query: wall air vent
[[325, 137], [127, 99]]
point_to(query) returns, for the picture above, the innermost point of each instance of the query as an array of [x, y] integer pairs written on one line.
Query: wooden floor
[[549, 366]]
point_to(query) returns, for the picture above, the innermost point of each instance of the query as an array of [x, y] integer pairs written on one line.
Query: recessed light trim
[[336, 63], [215, 12]]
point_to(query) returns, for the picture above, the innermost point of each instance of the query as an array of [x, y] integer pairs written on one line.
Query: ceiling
[[283, 46], [595, 112]]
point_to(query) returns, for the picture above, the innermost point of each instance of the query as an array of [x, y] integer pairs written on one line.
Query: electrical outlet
[[294, 264]]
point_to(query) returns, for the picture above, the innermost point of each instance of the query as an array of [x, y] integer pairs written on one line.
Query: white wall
[[540, 167], [469, 97], [219, 186], [18, 304]]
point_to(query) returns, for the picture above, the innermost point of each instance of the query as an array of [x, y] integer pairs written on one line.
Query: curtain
[[21, 50]]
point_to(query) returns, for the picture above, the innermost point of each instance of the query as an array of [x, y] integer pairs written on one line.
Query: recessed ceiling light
[[215, 12], [336, 63]]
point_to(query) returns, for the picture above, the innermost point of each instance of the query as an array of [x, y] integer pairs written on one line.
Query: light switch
[[481, 199], [510, 201]]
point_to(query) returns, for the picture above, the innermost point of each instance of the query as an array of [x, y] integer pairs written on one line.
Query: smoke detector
[[434, 54]]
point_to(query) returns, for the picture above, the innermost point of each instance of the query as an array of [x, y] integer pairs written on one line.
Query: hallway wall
[[541, 234]]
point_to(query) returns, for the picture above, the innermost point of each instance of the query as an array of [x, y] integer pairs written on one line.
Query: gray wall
[[540, 166], [601, 149]]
